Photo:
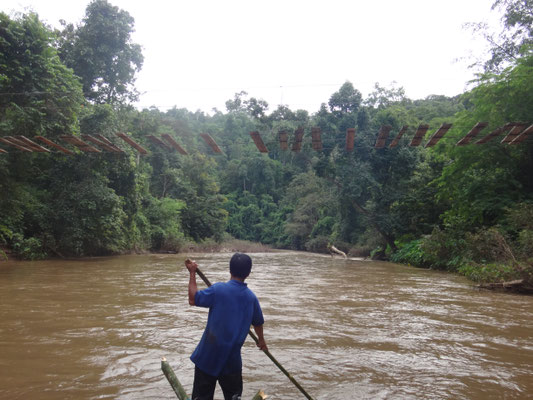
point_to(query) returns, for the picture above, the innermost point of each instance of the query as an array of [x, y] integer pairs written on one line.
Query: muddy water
[[96, 329]]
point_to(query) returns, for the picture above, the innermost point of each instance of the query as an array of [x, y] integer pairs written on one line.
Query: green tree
[[165, 220], [482, 181], [383, 97], [516, 38], [101, 53], [203, 215], [346, 100], [311, 199], [38, 94]]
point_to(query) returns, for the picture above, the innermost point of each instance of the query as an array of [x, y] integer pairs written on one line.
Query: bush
[[5, 235], [490, 273], [444, 249], [28, 249], [318, 244], [520, 216], [525, 243], [518, 223], [411, 253], [359, 251], [166, 231], [487, 246]]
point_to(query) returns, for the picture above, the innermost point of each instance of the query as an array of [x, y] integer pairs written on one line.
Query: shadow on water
[[96, 329]]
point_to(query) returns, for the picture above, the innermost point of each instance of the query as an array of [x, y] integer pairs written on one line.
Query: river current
[[345, 329]]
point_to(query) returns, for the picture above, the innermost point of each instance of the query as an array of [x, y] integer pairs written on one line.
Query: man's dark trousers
[[204, 385]]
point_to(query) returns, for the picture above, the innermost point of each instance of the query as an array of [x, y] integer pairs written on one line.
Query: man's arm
[[259, 332], [193, 288]]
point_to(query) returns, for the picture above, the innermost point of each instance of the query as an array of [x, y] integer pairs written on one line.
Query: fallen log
[[332, 249], [518, 285], [496, 285]]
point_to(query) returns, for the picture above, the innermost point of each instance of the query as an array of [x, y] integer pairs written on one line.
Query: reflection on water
[[97, 329]]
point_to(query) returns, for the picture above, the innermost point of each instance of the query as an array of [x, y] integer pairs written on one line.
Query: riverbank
[[226, 246], [206, 246]]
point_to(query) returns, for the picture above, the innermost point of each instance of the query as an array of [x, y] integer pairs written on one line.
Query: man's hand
[[262, 345], [260, 338], [191, 266]]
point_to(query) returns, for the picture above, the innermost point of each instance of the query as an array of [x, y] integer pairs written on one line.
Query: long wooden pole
[[173, 380], [269, 355]]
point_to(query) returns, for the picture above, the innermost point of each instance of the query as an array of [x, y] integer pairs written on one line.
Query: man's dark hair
[[240, 265]]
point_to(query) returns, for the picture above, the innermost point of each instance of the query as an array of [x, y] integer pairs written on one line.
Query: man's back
[[233, 307]]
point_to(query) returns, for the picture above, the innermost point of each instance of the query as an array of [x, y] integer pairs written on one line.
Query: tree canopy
[[101, 53]]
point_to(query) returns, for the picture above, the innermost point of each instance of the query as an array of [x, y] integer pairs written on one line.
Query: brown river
[[345, 329]]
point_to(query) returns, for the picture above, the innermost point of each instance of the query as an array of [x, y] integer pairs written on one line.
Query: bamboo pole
[[269, 355], [173, 380], [260, 396]]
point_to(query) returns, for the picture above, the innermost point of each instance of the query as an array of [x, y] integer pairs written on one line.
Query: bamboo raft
[[178, 387]]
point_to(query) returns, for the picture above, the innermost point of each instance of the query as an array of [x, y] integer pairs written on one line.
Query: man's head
[[240, 265]]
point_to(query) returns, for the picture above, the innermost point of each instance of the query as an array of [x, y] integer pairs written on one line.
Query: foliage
[[488, 245], [311, 200], [518, 226], [516, 37], [346, 101], [489, 273], [317, 244], [204, 215], [101, 53], [89, 219], [38, 93], [165, 220], [28, 249], [5, 234], [411, 253], [445, 248], [483, 181]]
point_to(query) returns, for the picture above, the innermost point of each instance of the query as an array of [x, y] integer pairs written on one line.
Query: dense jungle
[[465, 209]]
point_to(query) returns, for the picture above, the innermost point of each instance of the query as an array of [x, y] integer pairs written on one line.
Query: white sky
[[199, 53]]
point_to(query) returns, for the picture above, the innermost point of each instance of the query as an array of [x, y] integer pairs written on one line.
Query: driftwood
[[332, 249], [518, 285]]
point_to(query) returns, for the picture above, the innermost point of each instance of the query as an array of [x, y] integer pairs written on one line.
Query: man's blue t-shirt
[[233, 307]]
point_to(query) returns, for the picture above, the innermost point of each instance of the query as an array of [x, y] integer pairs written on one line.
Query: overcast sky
[[199, 53]]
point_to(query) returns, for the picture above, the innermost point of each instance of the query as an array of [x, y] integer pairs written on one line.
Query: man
[[233, 307]]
